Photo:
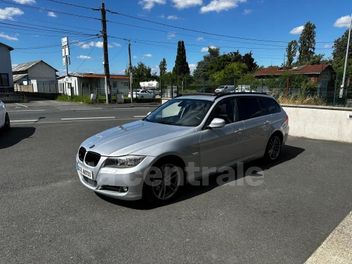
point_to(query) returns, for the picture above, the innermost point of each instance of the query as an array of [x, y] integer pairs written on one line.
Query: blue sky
[[35, 32]]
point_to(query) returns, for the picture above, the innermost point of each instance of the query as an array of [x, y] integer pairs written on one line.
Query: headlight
[[123, 162]]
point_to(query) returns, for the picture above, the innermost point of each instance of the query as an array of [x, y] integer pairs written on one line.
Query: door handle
[[266, 123], [238, 131]]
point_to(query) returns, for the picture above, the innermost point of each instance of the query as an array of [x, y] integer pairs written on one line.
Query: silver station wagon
[[150, 158]]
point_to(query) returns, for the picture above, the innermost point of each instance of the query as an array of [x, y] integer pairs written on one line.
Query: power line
[[45, 28], [71, 4], [196, 30], [50, 10], [53, 45]]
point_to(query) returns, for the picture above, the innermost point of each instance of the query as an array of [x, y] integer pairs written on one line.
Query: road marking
[[22, 105], [87, 118], [25, 121], [141, 116]]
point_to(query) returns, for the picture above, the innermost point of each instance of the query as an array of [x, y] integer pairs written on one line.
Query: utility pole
[[130, 69], [346, 61], [106, 54]]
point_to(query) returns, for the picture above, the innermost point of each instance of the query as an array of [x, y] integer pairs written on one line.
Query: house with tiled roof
[[85, 84], [323, 75]]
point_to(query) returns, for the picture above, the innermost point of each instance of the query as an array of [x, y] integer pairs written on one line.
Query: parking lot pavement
[[47, 216], [53, 112]]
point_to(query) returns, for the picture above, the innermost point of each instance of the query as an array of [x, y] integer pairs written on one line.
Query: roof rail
[[244, 93], [218, 95], [190, 94]]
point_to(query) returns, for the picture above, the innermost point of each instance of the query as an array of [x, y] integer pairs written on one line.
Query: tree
[[339, 54], [163, 70], [181, 68], [163, 67], [249, 61], [307, 43], [141, 73], [291, 51], [211, 68], [230, 74]]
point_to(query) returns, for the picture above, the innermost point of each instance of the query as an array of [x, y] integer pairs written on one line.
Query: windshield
[[180, 112]]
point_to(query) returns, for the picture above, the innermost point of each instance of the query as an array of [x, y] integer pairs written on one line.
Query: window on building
[[4, 80]]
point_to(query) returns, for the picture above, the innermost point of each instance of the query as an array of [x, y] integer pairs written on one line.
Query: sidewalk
[[337, 248]]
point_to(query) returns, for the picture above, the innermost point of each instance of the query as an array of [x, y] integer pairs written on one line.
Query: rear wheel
[[273, 149], [163, 182]]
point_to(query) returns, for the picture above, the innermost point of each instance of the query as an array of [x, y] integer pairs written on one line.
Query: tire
[[7, 124], [273, 148], [163, 183]]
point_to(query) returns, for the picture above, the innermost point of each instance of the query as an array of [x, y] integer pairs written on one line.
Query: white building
[[6, 81], [35, 77], [152, 85], [85, 84]]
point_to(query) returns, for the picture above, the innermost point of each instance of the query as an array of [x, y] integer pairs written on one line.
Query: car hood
[[131, 137]]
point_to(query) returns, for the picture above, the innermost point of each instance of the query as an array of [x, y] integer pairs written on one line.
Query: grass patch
[[301, 101], [76, 99]]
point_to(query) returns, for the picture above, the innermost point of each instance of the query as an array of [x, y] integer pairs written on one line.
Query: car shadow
[[15, 135], [251, 168]]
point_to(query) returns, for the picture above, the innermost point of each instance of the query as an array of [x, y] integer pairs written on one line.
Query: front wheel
[[163, 183], [7, 122], [273, 149]]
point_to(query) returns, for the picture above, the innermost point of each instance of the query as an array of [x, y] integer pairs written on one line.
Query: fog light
[[124, 189]]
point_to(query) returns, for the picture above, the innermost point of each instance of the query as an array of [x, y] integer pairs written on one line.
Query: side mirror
[[217, 123]]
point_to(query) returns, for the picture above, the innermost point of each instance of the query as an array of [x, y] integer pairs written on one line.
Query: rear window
[[269, 105], [248, 107]]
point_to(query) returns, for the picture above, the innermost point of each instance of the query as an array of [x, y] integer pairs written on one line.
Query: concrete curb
[[337, 247]]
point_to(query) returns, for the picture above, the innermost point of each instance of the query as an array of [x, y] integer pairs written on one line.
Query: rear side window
[[248, 107], [269, 105]]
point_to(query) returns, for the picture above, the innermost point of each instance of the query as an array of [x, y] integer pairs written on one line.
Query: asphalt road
[[47, 216]]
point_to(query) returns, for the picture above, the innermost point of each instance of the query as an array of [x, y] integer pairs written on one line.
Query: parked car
[[225, 89], [148, 158], [142, 94], [4, 117]]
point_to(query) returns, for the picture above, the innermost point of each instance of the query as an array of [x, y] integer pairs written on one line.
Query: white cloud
[[5, 36], [182, 4], [200, 39], [171, 35], [117, 45], [148, 55], [99, 44], [297, 30], [92, 44], [206, 49], [328, 46], [9, 13], [25, 2], [51, 14], [221, 5], [84, 57], [247, 11], [344, 21], [149, 4], [173, 18]]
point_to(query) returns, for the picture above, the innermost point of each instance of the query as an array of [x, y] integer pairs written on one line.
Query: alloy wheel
[[274, 148]]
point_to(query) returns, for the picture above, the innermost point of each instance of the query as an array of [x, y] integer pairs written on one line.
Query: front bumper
[[108, 181]]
